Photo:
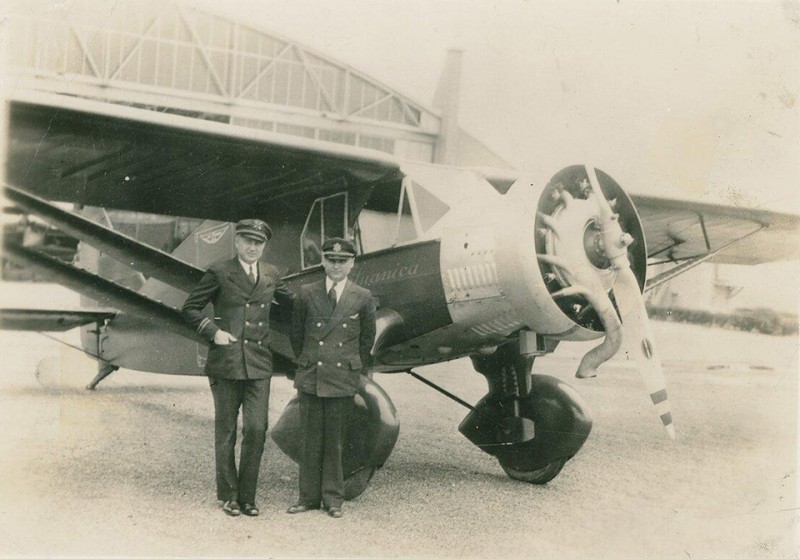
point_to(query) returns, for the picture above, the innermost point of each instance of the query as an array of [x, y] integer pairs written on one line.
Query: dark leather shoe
[[250, 510], [335, 513], [231, 508], [298, 508]]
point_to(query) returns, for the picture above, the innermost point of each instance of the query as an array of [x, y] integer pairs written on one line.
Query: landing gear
[[104, 370], [372, 431], [357, 482], [537, 477], [532, 424]]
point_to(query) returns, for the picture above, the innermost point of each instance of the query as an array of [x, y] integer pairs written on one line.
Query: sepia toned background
[[690, 100]]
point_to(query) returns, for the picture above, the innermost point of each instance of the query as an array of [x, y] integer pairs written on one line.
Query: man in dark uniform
[[333, 329], [239, 364]]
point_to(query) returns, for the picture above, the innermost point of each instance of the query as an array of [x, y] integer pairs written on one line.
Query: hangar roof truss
[[176, 58]]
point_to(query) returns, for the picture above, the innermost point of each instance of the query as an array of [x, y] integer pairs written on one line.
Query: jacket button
[[321, 342], [338, 364], [319, 362]]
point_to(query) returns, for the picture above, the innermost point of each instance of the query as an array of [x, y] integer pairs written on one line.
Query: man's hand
[[221, 337]]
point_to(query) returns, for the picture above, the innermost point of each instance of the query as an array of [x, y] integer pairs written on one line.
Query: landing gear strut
[[532, 423], [104, 370]]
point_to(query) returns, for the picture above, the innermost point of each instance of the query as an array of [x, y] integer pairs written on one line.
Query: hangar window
[[337, 136], [327, 218], [376, 142]]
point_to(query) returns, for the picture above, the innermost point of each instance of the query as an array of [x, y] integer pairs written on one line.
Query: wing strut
[[100, 289], [139, 256], [510, 429], [689, 264]]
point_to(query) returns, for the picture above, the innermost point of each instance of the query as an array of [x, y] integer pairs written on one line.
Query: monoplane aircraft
[[494, 265]]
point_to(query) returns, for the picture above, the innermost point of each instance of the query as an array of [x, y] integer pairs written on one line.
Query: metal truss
[[170, 55]]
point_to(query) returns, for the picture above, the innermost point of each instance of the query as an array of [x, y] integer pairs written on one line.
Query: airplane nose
[[498, 268]]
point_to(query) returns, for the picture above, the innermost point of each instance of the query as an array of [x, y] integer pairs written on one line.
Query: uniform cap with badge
[[254, 229], [337, 248]]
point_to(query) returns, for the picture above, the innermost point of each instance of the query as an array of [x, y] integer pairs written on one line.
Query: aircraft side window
[[405, 218], [327, 218], [430, 209], [388, 218]]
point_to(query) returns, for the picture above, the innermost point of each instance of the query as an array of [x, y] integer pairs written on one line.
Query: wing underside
[[89, 153], [677, 230], [51, 320]]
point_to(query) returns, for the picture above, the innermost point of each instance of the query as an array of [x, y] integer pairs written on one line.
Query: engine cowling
[[561, 223], [495, 275]]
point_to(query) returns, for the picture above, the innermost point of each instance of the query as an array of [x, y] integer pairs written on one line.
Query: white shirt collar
[[247, 267], [339, 286]]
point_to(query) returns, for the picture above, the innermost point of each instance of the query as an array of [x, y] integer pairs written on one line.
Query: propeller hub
[[575, 236], [594, 247]]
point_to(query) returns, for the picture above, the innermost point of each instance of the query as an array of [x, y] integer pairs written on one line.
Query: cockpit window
[[404, 229], [396, 213], [386, 220], [327, 218]]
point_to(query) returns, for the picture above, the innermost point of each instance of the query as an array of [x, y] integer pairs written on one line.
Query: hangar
[[178, 58], [174, 57]]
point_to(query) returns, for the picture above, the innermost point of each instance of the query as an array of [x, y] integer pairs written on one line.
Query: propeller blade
[[637, 339], [637, 336]]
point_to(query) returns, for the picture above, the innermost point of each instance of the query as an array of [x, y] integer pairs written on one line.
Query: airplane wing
[[90, 153], [51, 320], [680, 230], [85, 152]]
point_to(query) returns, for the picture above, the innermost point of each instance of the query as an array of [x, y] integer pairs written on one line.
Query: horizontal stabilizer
[[141, 257], [105, 292], [50, 320]]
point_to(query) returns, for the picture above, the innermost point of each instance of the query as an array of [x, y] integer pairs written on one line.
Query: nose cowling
[[554, 222]]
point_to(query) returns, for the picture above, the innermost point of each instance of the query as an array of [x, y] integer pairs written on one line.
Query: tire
[[357, 482], [536, 477]]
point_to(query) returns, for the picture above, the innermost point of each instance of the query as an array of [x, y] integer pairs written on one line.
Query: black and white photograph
[[400, 278]]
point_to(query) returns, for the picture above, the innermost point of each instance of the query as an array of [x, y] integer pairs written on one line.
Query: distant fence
[[760, 320]]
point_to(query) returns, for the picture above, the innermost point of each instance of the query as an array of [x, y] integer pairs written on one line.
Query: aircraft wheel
[[357, 482], [539, 476]]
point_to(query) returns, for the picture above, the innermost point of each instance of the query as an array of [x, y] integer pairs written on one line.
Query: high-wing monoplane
[[497, 266]]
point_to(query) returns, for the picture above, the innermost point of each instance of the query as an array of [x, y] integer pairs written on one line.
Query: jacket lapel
[[320, 295], [239, 276], [342, 307], [261, 282]]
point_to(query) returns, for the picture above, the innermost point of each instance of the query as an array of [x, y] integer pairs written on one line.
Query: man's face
[[336, 269], [248, 248]]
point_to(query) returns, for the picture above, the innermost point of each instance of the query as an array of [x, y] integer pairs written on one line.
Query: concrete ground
[[128, 469]]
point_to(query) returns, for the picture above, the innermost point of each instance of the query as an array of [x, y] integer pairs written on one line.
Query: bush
[[760, 320]]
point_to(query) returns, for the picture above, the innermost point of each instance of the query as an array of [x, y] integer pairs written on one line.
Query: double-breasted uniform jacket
[[332, 349], [240, 308]]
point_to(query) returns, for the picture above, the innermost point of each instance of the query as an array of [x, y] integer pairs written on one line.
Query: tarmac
[[127, 470]]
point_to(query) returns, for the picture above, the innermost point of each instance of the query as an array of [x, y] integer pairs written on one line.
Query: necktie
[[252, 274], [332, 296]]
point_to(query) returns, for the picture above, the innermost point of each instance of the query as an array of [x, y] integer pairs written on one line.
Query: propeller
[[637, 335]]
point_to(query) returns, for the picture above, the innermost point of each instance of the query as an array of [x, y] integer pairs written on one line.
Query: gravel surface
[[128, 469]]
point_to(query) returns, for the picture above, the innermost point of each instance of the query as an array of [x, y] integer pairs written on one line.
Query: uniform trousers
[[253, 398], [323, 422]]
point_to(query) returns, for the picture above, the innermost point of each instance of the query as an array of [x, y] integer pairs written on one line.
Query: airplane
[[489, 264]]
